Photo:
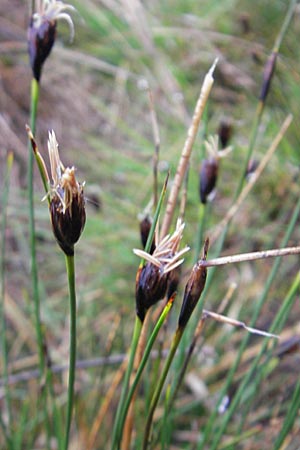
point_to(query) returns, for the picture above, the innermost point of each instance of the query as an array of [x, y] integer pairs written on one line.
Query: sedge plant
[[40, 38], [67, 212]]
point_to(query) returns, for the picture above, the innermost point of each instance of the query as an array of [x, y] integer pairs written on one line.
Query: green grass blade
[[4, 343]]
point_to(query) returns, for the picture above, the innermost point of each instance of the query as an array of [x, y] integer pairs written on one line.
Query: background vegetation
[[93, 94]]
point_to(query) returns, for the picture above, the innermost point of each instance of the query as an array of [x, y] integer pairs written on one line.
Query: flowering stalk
[[72, 357], [67, 212], [40, 39], [193, 291], [207, 181], [137, 328]]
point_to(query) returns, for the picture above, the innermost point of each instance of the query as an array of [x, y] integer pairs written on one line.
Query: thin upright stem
[[34, 269], [2, 302], [72, 354], [135, 338], [159, 386], [201, 225], [144, 360]]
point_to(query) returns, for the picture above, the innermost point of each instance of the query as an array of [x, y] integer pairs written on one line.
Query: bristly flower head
[[152, 278], [193, 289], [67, 205], [209, 168], [42, 31]]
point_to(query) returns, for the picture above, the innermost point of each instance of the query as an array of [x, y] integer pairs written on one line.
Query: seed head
[[152, 278], [209, 167], [67, 205], [268, 75], [193, 289], [224, 132], [145, 226], [42, 31], [208, 178]]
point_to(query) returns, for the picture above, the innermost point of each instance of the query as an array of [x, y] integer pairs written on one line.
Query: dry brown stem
[[187, 149]]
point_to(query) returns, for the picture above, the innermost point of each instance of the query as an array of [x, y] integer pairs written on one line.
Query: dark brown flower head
[[208, 178], [193, 289], [225, 132], [209, 168], [151, 286], [267, 76], [152, 279], [173, 281], [252, 166], [145, 226], [67, 205], [42, 31]]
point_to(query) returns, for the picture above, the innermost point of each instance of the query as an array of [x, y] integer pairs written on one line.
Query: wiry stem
[[72, 354], [160, 384], [116, 436], [2, 293], [156, 138], [144, 360], [34, 270]]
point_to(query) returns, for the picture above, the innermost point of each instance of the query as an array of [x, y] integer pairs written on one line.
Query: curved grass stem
[[72, 354]]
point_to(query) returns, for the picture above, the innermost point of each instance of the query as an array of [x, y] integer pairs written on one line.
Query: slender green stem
[[2, 302], [72, 354], [135, 338], [289, 417], [160, 384], [285, 25], [253, 136], [34, 269], [143, 362], [201, 225]]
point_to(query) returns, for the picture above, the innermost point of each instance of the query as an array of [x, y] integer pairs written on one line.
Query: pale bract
[[166, 255], [65, 185], [52, 10]]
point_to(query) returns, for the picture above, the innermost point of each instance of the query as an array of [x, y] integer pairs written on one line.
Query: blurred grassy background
[[93, 94]]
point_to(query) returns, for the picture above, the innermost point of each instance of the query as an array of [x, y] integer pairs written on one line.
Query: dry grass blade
[[236, 323], [187, 149], [252, 256]]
